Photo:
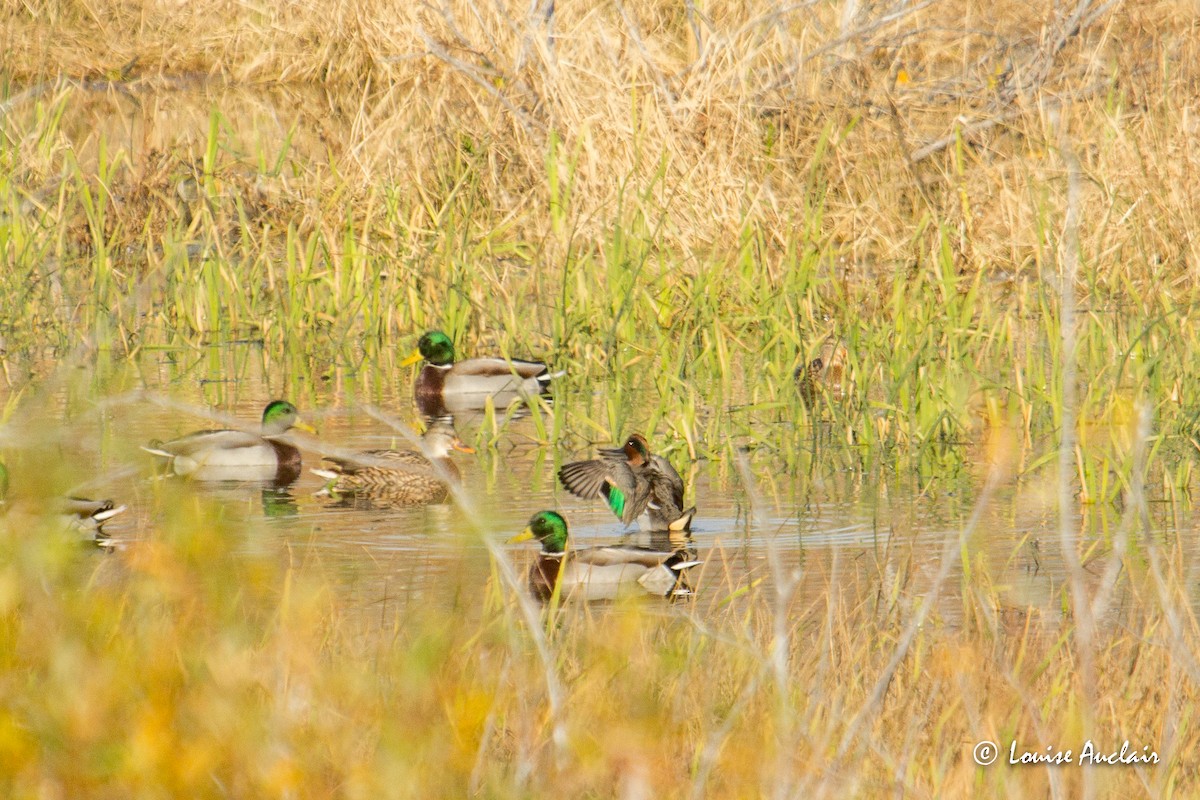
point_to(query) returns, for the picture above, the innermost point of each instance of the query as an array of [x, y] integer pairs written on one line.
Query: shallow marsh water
[[852, 530]]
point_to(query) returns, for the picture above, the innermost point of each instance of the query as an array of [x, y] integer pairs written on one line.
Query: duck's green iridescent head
[[434, 347], [280, 416], [549, 528]]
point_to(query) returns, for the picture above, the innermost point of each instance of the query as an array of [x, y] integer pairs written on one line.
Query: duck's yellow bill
[[413, 358], [523, 536], [301, 425], [461, 446]]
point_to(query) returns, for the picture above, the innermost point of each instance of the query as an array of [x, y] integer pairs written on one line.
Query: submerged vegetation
[[991, 206]]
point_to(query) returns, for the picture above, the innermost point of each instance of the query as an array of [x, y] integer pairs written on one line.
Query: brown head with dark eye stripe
[[637, 450]]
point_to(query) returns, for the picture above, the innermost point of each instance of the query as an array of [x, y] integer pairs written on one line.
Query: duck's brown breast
[[429, 385], [288, 456], [543, 575]]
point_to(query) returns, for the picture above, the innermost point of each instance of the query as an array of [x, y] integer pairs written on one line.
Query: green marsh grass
[[675, 205]]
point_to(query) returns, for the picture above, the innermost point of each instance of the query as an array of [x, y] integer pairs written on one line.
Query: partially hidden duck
[[76, 514], [824, 373]]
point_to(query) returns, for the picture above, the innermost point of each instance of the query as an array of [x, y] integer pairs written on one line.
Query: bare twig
[[660, 82], [972, 130], [1068, 534], [858, 33], [476, 74]]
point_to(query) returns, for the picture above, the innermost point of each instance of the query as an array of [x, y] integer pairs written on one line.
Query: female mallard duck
[[238, 455], [447, 385], [76, 514], [399, 477], [600, 573], [823, 373], [635, 483]]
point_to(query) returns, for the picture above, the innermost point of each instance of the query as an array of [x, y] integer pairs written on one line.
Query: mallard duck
[[399, 477], [600, 573], [88, 517], [823, 373], [636, 484], [77, 514], [445, 385], [238, 455]]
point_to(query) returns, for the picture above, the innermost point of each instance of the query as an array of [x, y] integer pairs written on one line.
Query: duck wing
[[205, 441], [619, 554], [492, 376], [670, 478], [625, 492], [664, 508], [377, 459], [387, 478], [607, 570], [498, 367]]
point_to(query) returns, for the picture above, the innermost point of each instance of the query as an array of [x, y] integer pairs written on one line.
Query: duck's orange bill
[[461, 446], [413, 358], [523, 536]]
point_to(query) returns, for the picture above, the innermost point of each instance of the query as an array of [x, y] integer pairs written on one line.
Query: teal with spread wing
[[635, 483]]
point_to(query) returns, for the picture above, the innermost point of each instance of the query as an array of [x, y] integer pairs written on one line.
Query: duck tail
[[331, 482], [155, 449], [684, 522], [545, 378], [108, 511]]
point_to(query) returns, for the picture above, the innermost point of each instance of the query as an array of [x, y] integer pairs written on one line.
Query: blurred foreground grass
[[180, 667]]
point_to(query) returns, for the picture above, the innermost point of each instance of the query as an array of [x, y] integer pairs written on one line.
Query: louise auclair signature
[[1089, 754]]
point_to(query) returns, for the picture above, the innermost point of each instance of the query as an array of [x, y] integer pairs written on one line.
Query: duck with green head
[[386, 478], [635, 483], [600, 573], [445, 385], [231, 455]]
